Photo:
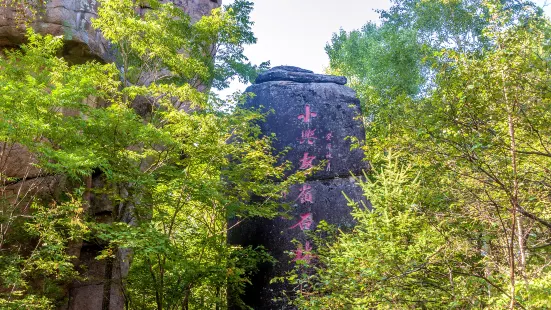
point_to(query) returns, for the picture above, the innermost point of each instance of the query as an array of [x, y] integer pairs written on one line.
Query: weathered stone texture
[[68, 18], [196, 8], [20, 194], [280, 236], [17, 162], [102, 284], [315, 116], [72, 20], [294, 74]]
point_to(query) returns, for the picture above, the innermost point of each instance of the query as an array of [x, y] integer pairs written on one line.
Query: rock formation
[[314, 115], [72, 20]]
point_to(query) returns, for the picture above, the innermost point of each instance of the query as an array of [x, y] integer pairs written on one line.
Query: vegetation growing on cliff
[[456, 98], [163, 156]]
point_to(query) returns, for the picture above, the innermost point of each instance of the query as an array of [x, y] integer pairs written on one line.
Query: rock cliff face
[[72, 20], [315, 116]]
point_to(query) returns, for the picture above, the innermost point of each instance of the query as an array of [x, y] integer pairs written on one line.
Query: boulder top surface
[[296, 74]]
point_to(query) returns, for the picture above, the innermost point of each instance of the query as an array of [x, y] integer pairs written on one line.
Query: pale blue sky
[[294, 32]]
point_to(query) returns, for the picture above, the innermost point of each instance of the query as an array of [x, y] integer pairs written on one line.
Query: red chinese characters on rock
[[306, 194], [307, 136], [308, 115], [306, 161], [306, 221], [304, 253]]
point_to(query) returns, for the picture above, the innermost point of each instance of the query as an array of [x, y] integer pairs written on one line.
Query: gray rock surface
[[315, 119], [21, 194], [280, 236], [295, 74], [72, 20], [68, 18], [17, 162], [315, 116]]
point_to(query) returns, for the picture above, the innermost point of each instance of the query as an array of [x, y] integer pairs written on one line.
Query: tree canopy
[[170, 160], [455, 97]]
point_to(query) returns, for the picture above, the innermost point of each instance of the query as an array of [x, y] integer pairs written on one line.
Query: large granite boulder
[[312, 116], [17, 162], [316, 116], [68, 18]]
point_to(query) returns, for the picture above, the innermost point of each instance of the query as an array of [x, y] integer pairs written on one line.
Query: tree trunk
[[515, 204]]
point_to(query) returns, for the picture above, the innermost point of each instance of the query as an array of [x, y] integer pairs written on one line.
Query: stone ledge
[[295, 74]]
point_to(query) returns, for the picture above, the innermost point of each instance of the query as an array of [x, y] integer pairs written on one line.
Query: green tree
[[382, 64], [392, 64], [174, 162], [476, 140], [35, 231], [487, 128], [400, 255]]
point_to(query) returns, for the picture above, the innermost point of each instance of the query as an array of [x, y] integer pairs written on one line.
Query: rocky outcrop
[[316, 117], [68, 18], [17, 162], [72, 20], [295, 74]]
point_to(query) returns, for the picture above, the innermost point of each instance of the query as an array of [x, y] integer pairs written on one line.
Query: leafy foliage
[[170, 161], [35, 272], [397, 257], [474, 230]]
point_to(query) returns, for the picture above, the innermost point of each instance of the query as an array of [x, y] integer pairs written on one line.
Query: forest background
[[455, 97]]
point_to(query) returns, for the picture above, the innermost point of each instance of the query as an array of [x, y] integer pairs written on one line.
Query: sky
[[295, 32]]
